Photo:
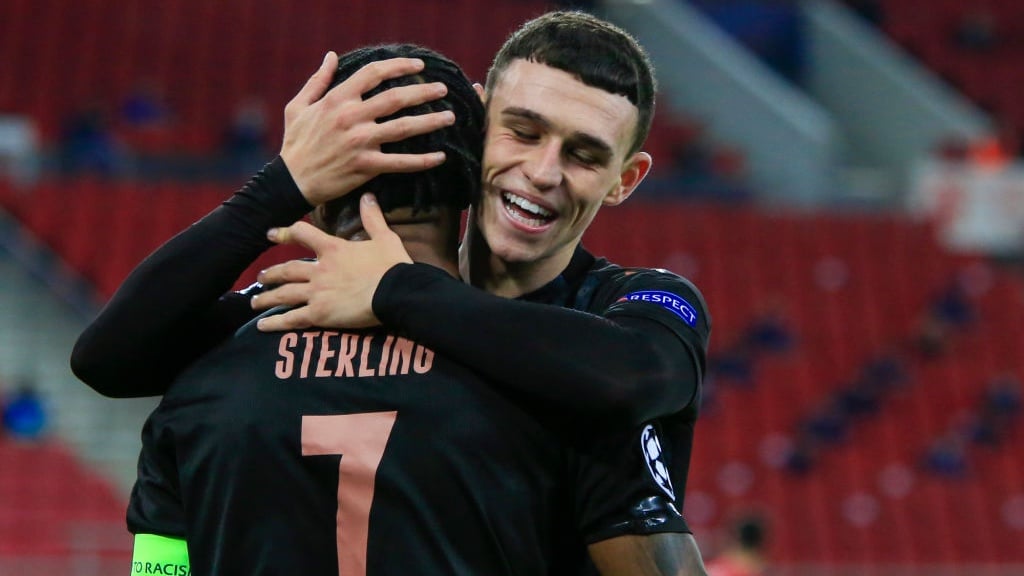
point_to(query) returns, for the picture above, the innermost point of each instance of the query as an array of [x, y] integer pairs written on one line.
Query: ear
[[480, 91], [633, 173]]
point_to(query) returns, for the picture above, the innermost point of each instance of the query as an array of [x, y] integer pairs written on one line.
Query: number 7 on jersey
[[360, 439]]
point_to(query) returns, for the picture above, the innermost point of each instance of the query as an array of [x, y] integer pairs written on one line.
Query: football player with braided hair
[[648, 328]]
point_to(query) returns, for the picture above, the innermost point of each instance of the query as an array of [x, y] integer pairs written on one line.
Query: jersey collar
[[562, 290]]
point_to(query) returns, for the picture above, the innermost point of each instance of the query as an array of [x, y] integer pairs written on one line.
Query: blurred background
[[841, 179]]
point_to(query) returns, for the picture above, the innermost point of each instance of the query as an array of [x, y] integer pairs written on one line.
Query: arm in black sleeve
[[170, 309], [617, 370]]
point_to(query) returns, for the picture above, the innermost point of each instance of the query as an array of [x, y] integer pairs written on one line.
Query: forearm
[[169, 310], [612, 371], [665, 554]]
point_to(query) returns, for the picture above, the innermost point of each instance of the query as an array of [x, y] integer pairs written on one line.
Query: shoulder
[[615, 284], [611, 274]]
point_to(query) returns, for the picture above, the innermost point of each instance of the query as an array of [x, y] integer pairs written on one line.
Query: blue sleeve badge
[[666, 300]]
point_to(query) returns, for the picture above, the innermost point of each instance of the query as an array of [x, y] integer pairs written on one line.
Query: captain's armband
[[154, 554]]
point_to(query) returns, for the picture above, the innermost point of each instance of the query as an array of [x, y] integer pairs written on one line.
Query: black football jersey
[[634, 481], [351, 453], [621, 482]]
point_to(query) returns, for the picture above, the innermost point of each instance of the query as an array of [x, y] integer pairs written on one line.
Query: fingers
[[373, 219], [302, 234], [285, 295], [407, 126], [400, 97], [317, 84], [377, 162], [394, 100], [296, 319], [332, 145], [288, 272], [370, 76], [380, 162]]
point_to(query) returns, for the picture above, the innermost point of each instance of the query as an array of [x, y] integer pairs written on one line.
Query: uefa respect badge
[[667, 300]]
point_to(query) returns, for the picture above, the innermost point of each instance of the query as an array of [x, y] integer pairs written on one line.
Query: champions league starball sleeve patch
[[667, 300], [651, 446]]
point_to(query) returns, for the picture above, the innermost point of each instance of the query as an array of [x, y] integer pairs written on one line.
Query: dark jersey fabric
[[627, 360], [637, 361], [630, 361], [620, 468], [633, 481], [467, 481], [166, 312]]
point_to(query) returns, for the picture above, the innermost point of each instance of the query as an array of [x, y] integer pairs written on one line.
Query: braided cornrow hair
[[454, 183]]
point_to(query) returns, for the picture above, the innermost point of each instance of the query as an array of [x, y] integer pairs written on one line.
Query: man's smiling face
[[556, 150]]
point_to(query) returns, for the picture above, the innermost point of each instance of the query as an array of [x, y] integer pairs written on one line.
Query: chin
[[515, 252], [506, 242]]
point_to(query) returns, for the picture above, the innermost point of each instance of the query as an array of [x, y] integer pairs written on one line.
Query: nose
[[544, 167]]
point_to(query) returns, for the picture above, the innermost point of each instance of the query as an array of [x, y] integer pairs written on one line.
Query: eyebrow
[[578, 138]]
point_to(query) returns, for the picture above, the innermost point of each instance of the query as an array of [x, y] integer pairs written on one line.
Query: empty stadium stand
[[56, 513], [207, 57], [852, 286], [990, 74], [856, 285]]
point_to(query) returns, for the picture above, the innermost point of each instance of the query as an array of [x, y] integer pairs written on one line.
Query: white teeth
[[532, 222], [527, 205]]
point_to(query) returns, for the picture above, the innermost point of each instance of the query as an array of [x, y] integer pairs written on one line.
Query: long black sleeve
[[615, 369], [170, 309]]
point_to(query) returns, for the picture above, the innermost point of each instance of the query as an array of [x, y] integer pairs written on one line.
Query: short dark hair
[[594, 51], [454, 183]]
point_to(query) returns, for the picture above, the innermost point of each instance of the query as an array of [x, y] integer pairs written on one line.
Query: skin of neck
[[429, 238], [430, 243], [480, 267], [426, 251]]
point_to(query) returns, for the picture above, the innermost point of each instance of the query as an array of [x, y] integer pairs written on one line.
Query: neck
[[428, 254], [433, 243], [483, 269]]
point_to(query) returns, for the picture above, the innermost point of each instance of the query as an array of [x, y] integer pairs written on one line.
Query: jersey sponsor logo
[[328, 354], [162, 568], [653, 455], [666, 300]]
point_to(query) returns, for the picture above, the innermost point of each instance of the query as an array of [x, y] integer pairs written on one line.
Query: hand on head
[[337, 289], [332, 138]]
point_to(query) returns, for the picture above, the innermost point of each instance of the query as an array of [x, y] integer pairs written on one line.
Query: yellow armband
[[160, 555]]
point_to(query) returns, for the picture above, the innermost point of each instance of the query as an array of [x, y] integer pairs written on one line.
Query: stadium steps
[[993, 77], [55, 507]]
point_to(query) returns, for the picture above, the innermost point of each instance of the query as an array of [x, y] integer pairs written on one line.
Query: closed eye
[[524, 124], [524, 134], [585, 157], [589, 156]]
